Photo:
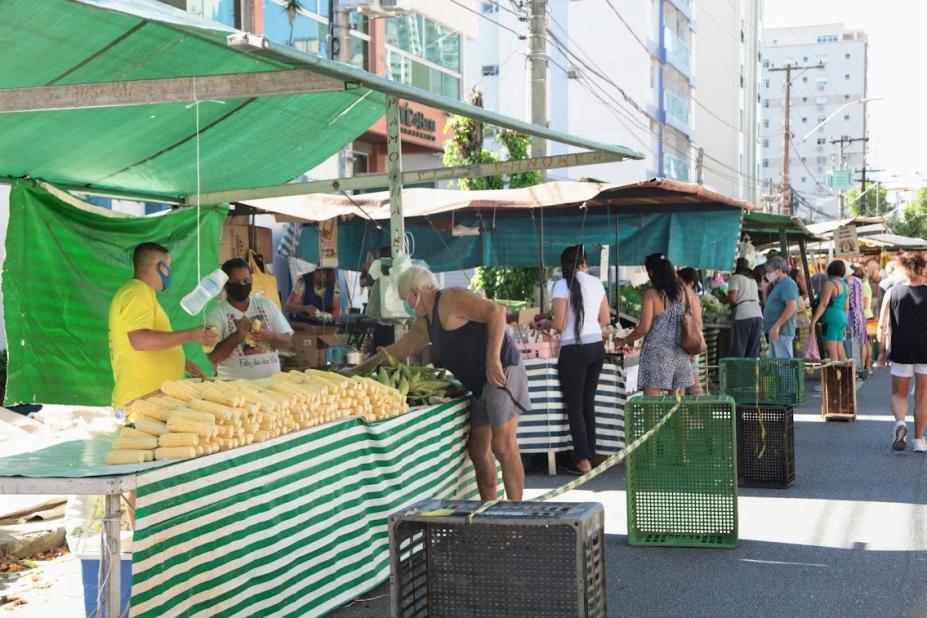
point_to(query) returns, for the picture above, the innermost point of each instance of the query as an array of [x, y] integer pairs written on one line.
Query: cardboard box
[[310, 342], [526, 316], [236, 241]]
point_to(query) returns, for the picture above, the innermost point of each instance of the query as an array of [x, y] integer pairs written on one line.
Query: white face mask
[[772, 277]]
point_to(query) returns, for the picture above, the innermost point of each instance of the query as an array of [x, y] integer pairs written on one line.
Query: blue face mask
[[410, 308], [165, 279]]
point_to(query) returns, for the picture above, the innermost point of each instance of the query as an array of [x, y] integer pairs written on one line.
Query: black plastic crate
[[531, 559], [770, 461]]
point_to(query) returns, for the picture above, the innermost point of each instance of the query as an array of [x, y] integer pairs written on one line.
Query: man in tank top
[[468, 337]]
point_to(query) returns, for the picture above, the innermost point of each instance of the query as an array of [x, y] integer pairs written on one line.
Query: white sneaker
[[919, 445], [900, 437]]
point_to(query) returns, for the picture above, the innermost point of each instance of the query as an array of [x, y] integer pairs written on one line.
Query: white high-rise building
[[818, 95], [727, 103], [631, 73]]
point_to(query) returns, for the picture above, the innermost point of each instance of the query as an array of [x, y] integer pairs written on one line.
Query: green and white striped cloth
[[296, 526]]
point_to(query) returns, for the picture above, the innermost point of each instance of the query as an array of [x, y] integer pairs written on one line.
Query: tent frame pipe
[[381, 181], [166, 90], [397, 230]]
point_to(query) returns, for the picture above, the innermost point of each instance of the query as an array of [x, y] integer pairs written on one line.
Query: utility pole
[[537, 56], [843, 141], [786, 204], [699, 165], [340, 50]]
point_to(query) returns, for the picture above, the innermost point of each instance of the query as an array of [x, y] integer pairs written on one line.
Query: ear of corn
[[179, 439], [150, 426], [144, 407], [175, 452], [131, 443], [181, 424], [128, 456]]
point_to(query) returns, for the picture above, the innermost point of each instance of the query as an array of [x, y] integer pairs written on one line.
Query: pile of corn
[[191, 418]]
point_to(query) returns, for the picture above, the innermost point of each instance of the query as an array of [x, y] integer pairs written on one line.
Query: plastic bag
[[262, 282], [811, 351]]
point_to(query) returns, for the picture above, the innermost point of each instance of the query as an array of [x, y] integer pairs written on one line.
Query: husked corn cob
[[143, 407], [180, 389], [128, 456], [134, 443], [181, 424], [220, 395], [150, 426], [175, 452], [218, 410], [193, 415], [168, 403], [261, 435], [178, 439], [130, 432]]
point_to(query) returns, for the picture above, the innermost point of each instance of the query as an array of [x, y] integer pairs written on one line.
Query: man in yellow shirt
[[144, 350]]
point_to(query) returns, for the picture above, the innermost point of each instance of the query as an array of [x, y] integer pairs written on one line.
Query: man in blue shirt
[[780, 309]]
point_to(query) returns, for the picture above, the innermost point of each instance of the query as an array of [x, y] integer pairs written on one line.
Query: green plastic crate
[[682, 482], [764, 380]]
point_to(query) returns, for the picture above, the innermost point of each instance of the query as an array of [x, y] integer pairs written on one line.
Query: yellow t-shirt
[[135, 307]]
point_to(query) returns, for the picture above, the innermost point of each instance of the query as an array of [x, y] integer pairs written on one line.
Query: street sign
[[841, 180], [845, 242]]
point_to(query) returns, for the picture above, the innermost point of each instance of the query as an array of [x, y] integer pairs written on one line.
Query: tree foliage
[[913, 220], [466, 148], [874, 201]]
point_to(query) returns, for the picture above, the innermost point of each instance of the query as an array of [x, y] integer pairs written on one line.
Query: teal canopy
[[690, 226]]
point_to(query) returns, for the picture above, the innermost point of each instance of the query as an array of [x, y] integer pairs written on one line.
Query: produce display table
[[546, 429], [294, 525]]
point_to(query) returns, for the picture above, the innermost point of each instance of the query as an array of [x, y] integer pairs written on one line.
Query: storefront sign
[[845, 241], [417, 124]]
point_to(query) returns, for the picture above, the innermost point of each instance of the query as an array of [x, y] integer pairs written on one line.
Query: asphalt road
[[848, 538]]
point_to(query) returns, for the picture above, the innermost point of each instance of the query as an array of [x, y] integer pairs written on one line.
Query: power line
[[490, 19]]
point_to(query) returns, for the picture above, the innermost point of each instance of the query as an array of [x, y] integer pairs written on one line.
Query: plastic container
[[207, 289], [764, 380], [531, 559], [682, 482], [765, 458], [90, 573]]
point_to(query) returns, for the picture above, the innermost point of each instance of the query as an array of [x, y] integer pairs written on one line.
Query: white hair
[[418, 278]]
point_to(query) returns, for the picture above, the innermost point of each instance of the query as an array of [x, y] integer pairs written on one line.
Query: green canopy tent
[[769, 229], [137, 99]]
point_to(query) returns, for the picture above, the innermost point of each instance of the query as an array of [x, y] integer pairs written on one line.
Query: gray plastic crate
[[517, 559]]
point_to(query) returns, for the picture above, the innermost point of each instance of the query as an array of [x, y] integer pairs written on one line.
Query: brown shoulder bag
[[693, 341]]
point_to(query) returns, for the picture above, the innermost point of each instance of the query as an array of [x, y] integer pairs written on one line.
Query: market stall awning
[[96, 94], [894, 241], [648, 196], [863, 225], [458, 230], [764, 228]]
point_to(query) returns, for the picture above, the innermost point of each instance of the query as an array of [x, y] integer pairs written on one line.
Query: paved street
[[848, 538]]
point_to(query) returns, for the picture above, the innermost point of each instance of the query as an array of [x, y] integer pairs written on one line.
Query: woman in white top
[[744, 295], [580, 310]]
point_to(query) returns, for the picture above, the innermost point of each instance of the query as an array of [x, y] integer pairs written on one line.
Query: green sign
[[840, 180]]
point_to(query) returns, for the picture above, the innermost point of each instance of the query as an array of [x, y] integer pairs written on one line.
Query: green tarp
[[150, 149], [62, 267], [698, 237]]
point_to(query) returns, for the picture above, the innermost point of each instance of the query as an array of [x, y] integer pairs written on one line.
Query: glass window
[[846, 116], [766, 123], [426, 39], [804, 119], [847, 56], [304, 32], [765, 162], [222, 11], [847, 76], [765, 143], [407, 70], [490, 7], [765, 83], [765, 102], [804, 180], [822, 141]]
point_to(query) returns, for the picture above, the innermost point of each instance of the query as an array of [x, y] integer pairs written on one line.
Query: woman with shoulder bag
[[580, 309], [671, 320]]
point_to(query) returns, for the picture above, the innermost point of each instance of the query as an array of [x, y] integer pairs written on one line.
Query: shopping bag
[[811, 352], [262, 282]]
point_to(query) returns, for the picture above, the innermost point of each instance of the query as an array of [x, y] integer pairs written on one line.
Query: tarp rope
[[611, 461]]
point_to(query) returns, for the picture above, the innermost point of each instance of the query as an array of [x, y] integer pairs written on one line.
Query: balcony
[[675, 168], [677, 109], [677, 50]]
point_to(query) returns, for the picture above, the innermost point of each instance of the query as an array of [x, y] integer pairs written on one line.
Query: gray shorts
[[496, 406]]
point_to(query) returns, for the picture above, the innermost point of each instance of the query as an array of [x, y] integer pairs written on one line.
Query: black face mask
[[238, 291]]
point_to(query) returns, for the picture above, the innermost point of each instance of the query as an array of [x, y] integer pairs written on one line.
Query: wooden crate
[[838, 391]]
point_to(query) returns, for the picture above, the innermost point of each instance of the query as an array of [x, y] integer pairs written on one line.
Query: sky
[[897, 127]]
